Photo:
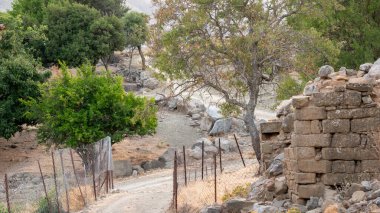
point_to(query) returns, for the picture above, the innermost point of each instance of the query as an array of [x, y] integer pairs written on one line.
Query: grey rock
[[377, 201], [199, 141], [194, 106], [375, 70], [317, 210], [196, 153], [261, 191], [172, 103], [276, 167], [238, 125], [154, 164], [265, 209], [134, 173], [236, 205], [365, 67], [312, 203], [196, 116], [122, 168], [357, 196], [284, 108], [214, 113], [159, 98], [366, 185], [212, 209], [168, 155], [206, 124], [211, 150], [375, 185], [138, 168], [351, 72], [367, 99], [225, 144], [221, 126], [373, 194], [310, 89], [325, 71], [130, 87], [151, 83], [280, 186]]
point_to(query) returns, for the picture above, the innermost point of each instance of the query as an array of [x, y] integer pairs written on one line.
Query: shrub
[[42, 204], [3, 209], [289, 87], [240, 191]]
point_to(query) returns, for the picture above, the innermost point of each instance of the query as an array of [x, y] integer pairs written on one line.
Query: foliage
[[30, 11], [135, 28], [289, 87], [355, 25], [43, 207], [3, 209], [107, 35], [76, 110], [240, 191], [107, 7], [69, 33]]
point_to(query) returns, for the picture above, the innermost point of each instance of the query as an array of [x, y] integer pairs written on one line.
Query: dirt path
[[146, 194]]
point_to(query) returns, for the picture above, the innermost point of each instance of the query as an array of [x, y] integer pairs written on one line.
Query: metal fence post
[[55, 182], [65, 182], [76, 177], [215, 178], [220, 158], [7, 192], [184, 164], [241, 156], [203, 150], [175, 183], [44, 185]]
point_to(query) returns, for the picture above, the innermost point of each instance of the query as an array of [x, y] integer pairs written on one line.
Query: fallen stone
[[151, 83], [357, 196], [284, 108], [235, 205], [172, 103], [312, 203], [365, 67], [280, 186], [373, 194], [375, 70], [264, 208], [211, 209], [206, 124], [366, 185], [276, 167], [213, 113], [199, 141], [221, 126], [310, 89], [325, 71], [194, 106]]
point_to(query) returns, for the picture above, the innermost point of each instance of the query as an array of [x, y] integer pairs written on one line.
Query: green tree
[[354, 25], [108, 36], [107, 7], [19, 77], [30, 11], [231, 46], [77, 110], [136, 32]]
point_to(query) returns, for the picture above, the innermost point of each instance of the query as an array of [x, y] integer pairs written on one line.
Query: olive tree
[[231, 46]]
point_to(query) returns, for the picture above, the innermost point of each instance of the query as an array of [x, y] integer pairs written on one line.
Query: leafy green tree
[[30, 11], [107, 7], [108, 36], [354, 25], [231, 46], [69, 33], [136, 32], [77, 110], [19, 78]]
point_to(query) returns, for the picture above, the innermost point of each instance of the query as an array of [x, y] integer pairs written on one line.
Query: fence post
[[76, 177], [203, 150], [55, 181], [241, 156], [184, 164], [215, 177], [43, 183], [220, 158], [93, 173], [65, 182], [7, 192], [175, 186]]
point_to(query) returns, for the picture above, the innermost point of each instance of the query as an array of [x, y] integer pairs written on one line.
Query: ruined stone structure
[[329, 135]]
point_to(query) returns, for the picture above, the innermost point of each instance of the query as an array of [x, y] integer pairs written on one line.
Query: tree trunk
[[142, 57], [130, 60], [249, 120]]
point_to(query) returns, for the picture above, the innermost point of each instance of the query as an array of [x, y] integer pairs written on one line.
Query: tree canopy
[[107, 7]]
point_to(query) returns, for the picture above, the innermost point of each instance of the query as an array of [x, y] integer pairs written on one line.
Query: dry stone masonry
[[329, 135]]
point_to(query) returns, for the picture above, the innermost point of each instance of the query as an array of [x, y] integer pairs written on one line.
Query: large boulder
[[173, 103], [206, 124], [194, 106], [151, 83], [375, 70], [211, 209], [260, 208], [122, 168], [199, 141], [236, 205], [225, 144], [214, 113], [262, 190], [154, 164], [365, 67], [276, 167], [195, 153], [221, 126]]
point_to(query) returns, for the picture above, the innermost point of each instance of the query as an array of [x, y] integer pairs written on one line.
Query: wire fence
[[75, 179], [212, 178]]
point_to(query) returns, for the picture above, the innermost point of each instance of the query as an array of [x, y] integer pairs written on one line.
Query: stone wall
[[332, 131]]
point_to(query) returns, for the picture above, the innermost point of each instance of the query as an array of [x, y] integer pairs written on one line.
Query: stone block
[[352, 98], [316, 127], [353, 113], [302, 127], [304, 178], [270, 127], [349, 154], [310, 113], [345, 140], [365, 124], [313, 166], [343, 166], [341, 178], [300, 101], [311, 190], [302, 153], [288, 123], [372, 166], [328, 99], [361, 87], [289, 153], [266, 148], [336, 126], [312, 140]]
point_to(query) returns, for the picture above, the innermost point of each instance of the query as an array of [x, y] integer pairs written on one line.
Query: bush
[[3, 209], [77, 110], [289, 87], [42, 204], [239, 191]]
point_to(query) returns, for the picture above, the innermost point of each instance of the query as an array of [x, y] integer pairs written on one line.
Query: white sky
[[144, 6]]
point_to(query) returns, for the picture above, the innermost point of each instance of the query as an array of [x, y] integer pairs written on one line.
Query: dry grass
[[75, 199], [198, 194]]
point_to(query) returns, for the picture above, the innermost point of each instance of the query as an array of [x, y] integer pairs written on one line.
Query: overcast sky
[[144, 6]]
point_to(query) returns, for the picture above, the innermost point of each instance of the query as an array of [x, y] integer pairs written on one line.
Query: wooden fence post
[[184, 164], [241, 156], [215, 178], [203, 150], [55, 182], [220, 158], [44, 185], [7, 193]]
